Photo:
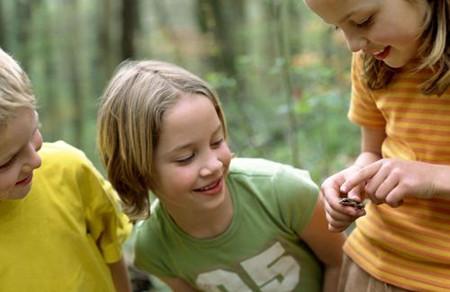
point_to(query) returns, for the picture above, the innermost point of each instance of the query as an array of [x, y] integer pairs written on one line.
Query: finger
[[382, 187], [330, 188], [356, 193], [334, 229], [395, 197], [346, 214], [341, 221], [374, 199], [331, 198], [337, 226], [360, 177]]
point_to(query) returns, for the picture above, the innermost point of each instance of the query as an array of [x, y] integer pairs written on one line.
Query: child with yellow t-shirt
[[60, 223]]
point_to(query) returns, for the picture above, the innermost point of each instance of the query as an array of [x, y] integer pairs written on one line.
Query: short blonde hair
[[15, 88], [129, 124], [434, 50]]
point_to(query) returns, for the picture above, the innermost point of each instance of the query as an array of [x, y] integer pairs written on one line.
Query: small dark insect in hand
[[352, 203]]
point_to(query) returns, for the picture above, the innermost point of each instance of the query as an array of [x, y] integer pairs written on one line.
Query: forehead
[[334, 11], [190, 118], [189, 108]]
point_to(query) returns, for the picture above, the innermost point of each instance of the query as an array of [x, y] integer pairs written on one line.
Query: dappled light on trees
[[282, 75]]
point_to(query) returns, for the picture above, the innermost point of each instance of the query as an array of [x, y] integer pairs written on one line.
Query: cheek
[[7, 182], [179, 179], [402, 33], [37, 140], [225, 155]]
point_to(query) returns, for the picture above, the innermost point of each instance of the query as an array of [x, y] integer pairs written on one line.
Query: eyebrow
[[359, 10], [347, 16], [187, 145]]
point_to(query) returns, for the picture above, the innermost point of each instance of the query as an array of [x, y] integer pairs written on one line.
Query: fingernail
[[343, 189]]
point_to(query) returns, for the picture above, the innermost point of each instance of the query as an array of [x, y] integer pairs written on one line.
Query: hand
[[340, 217], [390, 180]]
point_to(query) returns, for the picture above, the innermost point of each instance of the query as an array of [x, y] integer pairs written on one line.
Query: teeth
[[208, 187], [379, 52]]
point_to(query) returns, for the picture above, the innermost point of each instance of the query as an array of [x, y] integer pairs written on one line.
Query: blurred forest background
[[282, 75]]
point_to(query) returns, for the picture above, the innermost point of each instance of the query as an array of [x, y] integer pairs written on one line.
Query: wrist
[[442, 183]]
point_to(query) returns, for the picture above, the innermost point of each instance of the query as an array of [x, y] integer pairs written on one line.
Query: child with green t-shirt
[[219, 223]]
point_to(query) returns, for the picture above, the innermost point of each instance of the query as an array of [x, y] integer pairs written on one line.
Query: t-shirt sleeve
[[297, 195], [150, 254], [108, 226], [363, 109]]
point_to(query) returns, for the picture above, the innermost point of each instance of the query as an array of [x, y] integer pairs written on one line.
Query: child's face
[[387, 29], [20, 139], [192, 156]]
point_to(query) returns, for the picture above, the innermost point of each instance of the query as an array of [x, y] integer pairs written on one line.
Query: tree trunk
[[23, 33], [73, 13], [129, 21], [279, 12]]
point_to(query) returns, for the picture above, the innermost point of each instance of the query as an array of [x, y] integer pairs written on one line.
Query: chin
[[18, 195], [394, 65], [397, 63]]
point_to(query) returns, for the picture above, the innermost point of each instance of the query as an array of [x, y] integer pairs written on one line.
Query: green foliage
[[281, 74]]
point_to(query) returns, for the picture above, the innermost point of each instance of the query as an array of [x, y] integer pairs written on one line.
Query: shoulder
[[63, 161], [61, 152], [255, 167], [150, 242], [274, 184], [149, 231], [271, 170]]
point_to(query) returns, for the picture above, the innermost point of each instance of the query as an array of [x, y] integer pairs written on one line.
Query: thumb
[[356, 194]]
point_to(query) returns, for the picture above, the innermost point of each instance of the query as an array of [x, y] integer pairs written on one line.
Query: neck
[[203, 224]]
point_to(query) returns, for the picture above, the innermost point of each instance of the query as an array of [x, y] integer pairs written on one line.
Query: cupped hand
[[340, 217]]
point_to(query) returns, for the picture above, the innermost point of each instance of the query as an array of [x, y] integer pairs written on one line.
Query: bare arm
[[371, 141], [326, 245], [120, 277]]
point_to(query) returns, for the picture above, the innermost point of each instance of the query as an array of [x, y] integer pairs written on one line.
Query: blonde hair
[[15, 88], [129, 123], [434, 52]]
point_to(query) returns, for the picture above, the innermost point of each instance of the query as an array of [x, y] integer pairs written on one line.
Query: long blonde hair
[[129, 124], [434, 52]]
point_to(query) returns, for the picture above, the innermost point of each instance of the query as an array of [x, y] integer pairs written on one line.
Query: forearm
[[366, 158], [331, 278], [120, 277], [442, 182]]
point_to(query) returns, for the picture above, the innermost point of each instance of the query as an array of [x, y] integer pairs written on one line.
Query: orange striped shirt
[[409, 246]]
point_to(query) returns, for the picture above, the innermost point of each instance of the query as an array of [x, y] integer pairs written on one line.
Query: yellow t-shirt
[[407, 246], [61, 236]]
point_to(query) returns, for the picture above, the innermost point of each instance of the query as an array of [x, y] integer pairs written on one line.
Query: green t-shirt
[[260, 250]]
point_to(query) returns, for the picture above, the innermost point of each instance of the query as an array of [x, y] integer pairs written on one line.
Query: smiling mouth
[[25, 181], [382, 54], [208, 187]]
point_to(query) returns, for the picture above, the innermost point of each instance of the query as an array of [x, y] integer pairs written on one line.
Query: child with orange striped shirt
[[401, 101]]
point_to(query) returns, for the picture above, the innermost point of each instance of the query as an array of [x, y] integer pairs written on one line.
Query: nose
[[211, 166], [355, 42]]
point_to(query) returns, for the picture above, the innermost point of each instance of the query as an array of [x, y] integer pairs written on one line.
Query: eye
[[185, 159], [365, 23], [217, 142], [7, 164]]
